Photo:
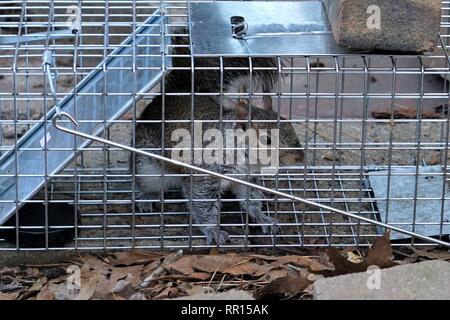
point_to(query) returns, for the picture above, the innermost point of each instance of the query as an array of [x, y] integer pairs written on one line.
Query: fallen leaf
[[87, 289], [137, 296], [9, 296], [312, 263], [290, 285], [342, 265], [117, 297], [274, 275], [37, 286], [190, 289], [45, 294], [168, 293], [432, 254], [199, 276], [354, 258], [8, 271], [230, 263], [131, 273], [60, 291], [32, 272], [121, 286], [94, 263], [380, 254], [128, 258], [11, 286], [161, 269]]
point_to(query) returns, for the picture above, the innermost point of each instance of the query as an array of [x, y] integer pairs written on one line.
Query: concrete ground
[[428, 280]]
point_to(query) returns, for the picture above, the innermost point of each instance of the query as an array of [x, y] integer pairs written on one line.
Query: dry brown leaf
[[32, 272], [312, 263], [230, 263], [355, 258], [9, 271], [196, 290], [161, 269], [137, 296], [9, 296], [117, 297], [94, 263], [199, 276], [188, 264], [190, 289], [60, 291], [432, 254], [38, 284], [128, 258], [290, 285], [131, 273], [87, 289], [274, 275], [168, 293], [121, 286], [236, 265], [248, 268], [107, 282], [150, 268], [45, 294], [380, 254]]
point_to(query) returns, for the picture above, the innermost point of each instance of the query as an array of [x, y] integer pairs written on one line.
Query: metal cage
[[373, 127]]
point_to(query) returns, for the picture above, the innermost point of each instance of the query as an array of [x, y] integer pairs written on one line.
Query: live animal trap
[[373, 126]]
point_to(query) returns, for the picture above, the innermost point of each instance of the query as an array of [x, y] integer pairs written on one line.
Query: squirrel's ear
[[241, 110], [267, 103], [242, 100]]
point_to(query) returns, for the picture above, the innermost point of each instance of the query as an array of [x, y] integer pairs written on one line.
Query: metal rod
[[39, 36]]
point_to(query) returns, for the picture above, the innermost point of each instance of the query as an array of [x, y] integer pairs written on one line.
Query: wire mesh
[[353, 115]]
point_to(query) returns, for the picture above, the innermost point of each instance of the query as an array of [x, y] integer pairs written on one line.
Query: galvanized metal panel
[[401, 210], [91, 111], [274, 28]]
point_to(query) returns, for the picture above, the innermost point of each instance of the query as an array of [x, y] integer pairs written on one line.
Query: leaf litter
[[140, 275]]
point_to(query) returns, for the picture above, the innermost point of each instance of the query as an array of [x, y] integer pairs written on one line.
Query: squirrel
[[208, 78], [204, 189]]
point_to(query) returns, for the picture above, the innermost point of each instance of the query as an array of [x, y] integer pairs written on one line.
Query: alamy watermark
[[374, 279], [230, 146], [374, 20], [73, 281]]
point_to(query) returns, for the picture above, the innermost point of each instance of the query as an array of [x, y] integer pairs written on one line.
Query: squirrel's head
[[272, 130]]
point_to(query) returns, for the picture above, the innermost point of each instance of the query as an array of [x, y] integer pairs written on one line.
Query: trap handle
[[61, 115]]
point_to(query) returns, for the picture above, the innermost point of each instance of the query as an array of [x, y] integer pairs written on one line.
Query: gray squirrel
[[236, 76], [205, 189]]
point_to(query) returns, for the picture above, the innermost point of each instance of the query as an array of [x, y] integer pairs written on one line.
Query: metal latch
[[239, 27]]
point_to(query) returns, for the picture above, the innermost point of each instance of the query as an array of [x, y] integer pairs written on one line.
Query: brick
[[406, 25]]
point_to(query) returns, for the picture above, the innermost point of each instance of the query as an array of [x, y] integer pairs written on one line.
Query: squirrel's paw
[[269, 226], [214, 233], [145, 207]]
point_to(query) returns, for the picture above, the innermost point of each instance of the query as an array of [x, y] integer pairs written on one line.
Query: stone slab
[[408, 25], [428, 280]]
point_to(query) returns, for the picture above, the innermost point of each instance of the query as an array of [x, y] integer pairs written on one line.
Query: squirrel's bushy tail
[[264, 76]]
